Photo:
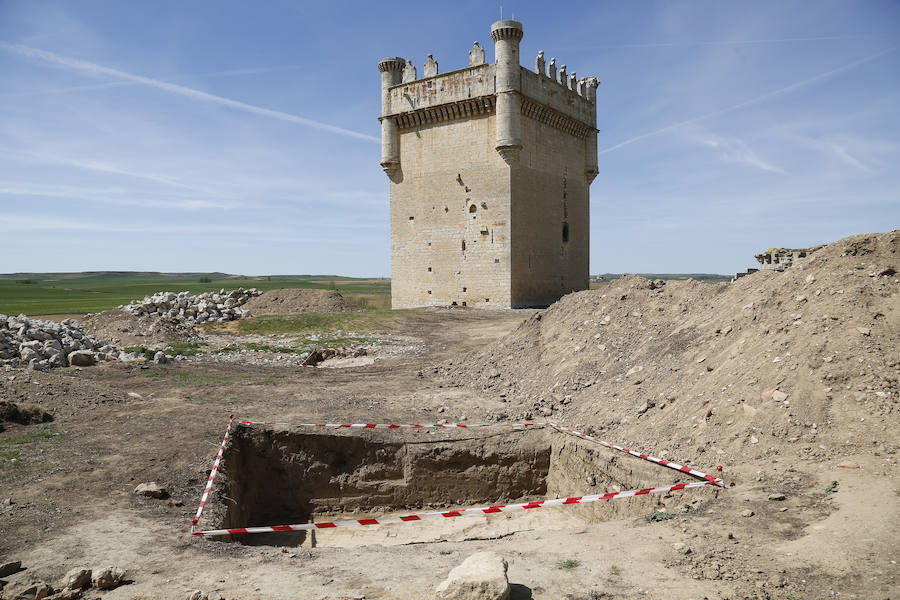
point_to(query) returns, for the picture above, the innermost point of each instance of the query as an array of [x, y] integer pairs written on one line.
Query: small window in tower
[[496, 260], [429, 291], [453, 304], [412, 218], [429, 269], [473, 208], [487, 299], [565, 232], [464, 289], [464, 245], [464, 303]]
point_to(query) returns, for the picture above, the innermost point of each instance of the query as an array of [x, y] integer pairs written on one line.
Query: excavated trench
[[276, 476]]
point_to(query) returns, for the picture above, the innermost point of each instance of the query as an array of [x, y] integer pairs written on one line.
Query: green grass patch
[[569, 564], [12, 460], [148, 353], [185, 349], [79, 293], [832, 487], [307, 323], [614, 570], [658, 515], [40, 434], [10, 463]]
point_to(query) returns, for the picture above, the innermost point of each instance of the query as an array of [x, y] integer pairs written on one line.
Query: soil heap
[[294, 300], [126, 329], [802, 362]]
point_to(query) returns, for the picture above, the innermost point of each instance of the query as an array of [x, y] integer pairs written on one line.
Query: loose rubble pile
[[207, 307], [72, 586], [45, 344]]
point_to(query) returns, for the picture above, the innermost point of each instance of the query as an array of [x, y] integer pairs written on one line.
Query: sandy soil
[[71, 501], [290, 301]]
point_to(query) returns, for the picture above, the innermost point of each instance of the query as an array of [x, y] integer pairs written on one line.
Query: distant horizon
[[323, 275]]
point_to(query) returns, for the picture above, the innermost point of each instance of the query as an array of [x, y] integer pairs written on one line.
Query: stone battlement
[[562, 93]]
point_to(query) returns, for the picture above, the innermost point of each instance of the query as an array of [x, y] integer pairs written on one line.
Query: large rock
[[32, 591], [76, 578], [108, 578], [8, 568], [482, 576], [82, 358], [151, 489]]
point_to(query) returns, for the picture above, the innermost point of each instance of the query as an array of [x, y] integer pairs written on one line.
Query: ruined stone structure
[[779, 259], [490, 169]]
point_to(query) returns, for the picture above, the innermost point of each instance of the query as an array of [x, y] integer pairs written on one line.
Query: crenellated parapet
[[551, 95], [562, 77]]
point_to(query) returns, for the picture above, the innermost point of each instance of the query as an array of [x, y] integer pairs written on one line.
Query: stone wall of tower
[[490, 169], [550, 216], [450, 217]]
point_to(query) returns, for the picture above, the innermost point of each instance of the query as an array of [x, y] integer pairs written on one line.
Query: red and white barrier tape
[[708, 479], [660, 461], [487, 510], [394, 425], [212, 473], [560, 428]]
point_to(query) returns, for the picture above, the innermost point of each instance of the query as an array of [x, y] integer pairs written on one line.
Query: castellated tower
[[490, 169]]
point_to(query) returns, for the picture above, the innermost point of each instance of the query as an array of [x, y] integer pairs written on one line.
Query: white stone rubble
[[43, 345], [203, 308]]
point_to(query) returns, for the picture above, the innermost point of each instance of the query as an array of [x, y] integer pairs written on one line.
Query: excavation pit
[[273, 476]]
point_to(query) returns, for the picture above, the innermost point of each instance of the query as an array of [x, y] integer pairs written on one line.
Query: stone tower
[[490, 169]]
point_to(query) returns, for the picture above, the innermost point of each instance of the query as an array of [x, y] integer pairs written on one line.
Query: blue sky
[[243, 137]]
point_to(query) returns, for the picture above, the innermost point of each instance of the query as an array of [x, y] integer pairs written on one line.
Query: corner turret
[[506, 36], [391, 74]]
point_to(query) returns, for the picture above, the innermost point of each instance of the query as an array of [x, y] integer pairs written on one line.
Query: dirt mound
[[293, 300], [802, 362], [24, 414], [125, 329]]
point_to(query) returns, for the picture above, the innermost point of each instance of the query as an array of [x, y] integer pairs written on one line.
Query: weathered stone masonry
[[490, 169]]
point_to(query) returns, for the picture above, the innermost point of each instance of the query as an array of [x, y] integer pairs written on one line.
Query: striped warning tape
[[708, 479], [560, 428], [394, 425], [212, 473], [660, 461], [463, 512]]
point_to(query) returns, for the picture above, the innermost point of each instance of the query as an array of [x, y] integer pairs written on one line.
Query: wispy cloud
[[111, 196], [756, 100], [96, 70], [95, 165], [862, 154], [118, 84], [44, 223], [734, 150]]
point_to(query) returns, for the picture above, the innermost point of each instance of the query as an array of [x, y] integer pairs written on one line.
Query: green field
[[79, 293]]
